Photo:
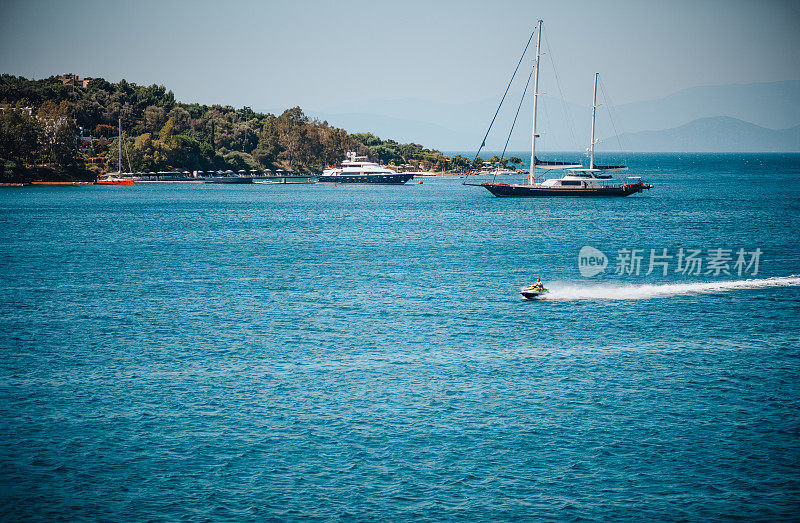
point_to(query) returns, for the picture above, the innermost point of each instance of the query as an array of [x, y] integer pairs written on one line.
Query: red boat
[[114, 181]]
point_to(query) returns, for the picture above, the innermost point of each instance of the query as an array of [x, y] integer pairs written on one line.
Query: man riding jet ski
[[532, 291]]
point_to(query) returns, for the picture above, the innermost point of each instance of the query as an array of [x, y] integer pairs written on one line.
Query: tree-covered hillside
[[72, 128]]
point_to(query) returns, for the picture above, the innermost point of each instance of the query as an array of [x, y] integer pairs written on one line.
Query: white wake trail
[[569, 292]]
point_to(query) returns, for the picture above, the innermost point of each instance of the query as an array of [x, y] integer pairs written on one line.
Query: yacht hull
[[540, 191], [385, 179]]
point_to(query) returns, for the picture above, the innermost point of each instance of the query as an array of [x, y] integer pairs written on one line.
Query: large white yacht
[[358, 169]]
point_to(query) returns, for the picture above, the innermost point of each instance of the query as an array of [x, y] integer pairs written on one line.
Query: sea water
[[306, 352]]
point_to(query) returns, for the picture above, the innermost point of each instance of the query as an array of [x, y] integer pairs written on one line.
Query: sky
[[330, 55]]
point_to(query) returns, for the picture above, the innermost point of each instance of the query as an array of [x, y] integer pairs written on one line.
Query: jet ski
[[531, 292]]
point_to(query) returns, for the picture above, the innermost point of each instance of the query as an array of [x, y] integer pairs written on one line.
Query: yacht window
[[571, 182]]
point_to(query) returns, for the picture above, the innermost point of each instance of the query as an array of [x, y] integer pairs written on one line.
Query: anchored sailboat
[[118, 180], [578, 181]]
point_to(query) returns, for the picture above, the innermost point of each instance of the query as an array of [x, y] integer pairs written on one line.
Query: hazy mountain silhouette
[[718, 134], [564, 126]]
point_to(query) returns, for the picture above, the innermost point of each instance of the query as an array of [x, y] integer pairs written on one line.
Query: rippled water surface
[[306, 352]]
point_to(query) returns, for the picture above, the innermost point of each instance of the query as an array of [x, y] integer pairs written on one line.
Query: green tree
[[368, 139], [60, 133], [154, 118], [163, 134], [21, 137], [237, 161], [459, 163], [268, 147]]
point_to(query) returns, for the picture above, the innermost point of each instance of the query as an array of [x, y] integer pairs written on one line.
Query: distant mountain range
[[748, 117], [718, 134]]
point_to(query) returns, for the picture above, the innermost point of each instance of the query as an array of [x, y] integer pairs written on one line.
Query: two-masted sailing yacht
[[577, 181]]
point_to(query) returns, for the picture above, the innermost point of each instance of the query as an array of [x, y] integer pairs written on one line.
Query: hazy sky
[[327, 56]]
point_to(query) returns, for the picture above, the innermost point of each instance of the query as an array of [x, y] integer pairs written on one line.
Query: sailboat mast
[[532, 177], [119, 153], [594, 109]]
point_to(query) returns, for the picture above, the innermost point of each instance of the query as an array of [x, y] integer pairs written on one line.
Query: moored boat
[[358, 169], [60, 183], [568, 185], [116, 180], [594, 181]]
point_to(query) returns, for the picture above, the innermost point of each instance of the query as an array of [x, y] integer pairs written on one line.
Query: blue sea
[[311, 352]]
